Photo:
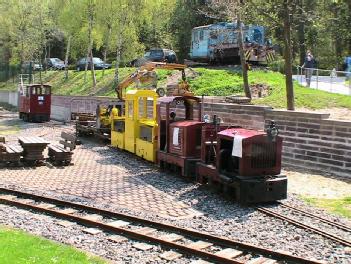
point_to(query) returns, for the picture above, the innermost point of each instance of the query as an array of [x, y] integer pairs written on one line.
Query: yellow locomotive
[[136, 129]]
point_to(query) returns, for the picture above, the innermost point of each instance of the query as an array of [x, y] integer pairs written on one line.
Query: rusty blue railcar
[[218, 43]]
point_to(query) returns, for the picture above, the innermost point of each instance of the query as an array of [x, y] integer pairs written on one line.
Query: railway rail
[[334, 224], [186, 241], [294, 210]]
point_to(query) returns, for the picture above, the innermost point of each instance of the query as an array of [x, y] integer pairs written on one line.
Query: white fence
[[326, 80]]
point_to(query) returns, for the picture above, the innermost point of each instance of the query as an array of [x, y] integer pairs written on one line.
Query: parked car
[[157, 55], [99, 64], [54, 64], [161, 55], [36, 66]]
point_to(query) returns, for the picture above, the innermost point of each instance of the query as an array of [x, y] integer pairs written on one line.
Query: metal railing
[[332, 81]]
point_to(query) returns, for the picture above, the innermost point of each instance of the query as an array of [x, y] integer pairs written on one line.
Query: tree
[[90, 7], [186, 16], [70, 21], [286, 14], [279, 14], [121, 21], [234, 10]]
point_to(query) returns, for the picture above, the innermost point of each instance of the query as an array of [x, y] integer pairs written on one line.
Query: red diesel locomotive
[[35, 102], [243, 163]]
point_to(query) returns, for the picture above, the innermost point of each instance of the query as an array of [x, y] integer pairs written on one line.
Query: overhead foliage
[[33, 29]]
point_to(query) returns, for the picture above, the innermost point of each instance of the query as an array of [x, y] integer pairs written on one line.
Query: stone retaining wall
[[63, 106], [248, 116], [315, 142], [10, 97]]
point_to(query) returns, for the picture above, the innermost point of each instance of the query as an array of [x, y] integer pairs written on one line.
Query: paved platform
[[100, 174]]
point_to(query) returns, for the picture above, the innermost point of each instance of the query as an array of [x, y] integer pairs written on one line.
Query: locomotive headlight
[[272, 131]]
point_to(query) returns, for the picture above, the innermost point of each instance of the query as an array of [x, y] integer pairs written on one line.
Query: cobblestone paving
[[99, 173]]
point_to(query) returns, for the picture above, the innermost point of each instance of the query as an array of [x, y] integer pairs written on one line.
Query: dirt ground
[[317, 186]]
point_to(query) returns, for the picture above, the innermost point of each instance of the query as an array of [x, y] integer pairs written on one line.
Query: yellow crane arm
[[144, 71]]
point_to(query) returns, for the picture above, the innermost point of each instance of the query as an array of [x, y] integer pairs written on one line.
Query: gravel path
[[220, 217]]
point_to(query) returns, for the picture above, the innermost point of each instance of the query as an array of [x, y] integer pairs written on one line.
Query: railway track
[[185, 241], [300, 224]]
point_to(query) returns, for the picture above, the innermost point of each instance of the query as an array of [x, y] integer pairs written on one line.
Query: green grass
[[226, 82], [75, 85], [304, 97], [337, 206], [17, 247], [216, 82], [8, 86]]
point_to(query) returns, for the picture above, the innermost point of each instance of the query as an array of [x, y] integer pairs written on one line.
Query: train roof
[[38, 85], [216, 24], [233, 24], [240, 132]]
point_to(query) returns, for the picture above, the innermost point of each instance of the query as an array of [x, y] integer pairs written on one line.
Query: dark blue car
[[99, 64], [54, 64]]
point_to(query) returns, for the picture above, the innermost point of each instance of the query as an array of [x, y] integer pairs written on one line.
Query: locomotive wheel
[[162, 165], [161, 92], [215, 186]]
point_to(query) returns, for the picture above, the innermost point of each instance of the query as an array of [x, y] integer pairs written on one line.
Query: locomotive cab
[[179, 133], [140, 123], [35, 102]]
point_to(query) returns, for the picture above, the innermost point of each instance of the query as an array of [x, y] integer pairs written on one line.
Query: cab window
[[201, 34], [130, 109], [38, 90]]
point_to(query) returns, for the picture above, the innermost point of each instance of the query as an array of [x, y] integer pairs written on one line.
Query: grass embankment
[[227, 82], [337, 206], [206, 82], [20, 247], [75, 85]]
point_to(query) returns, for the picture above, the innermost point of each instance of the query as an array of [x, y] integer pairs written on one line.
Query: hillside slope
[[203, 81]]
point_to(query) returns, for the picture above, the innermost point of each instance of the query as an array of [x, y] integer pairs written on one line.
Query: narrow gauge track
[[302, 225], [227, 251], [334, 224]]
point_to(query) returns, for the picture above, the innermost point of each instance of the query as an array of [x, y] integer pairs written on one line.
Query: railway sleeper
[[202, 245]]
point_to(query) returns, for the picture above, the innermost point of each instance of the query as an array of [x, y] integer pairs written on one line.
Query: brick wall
[[311, 140], [315, 142], [248, 116], [76, 104]]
